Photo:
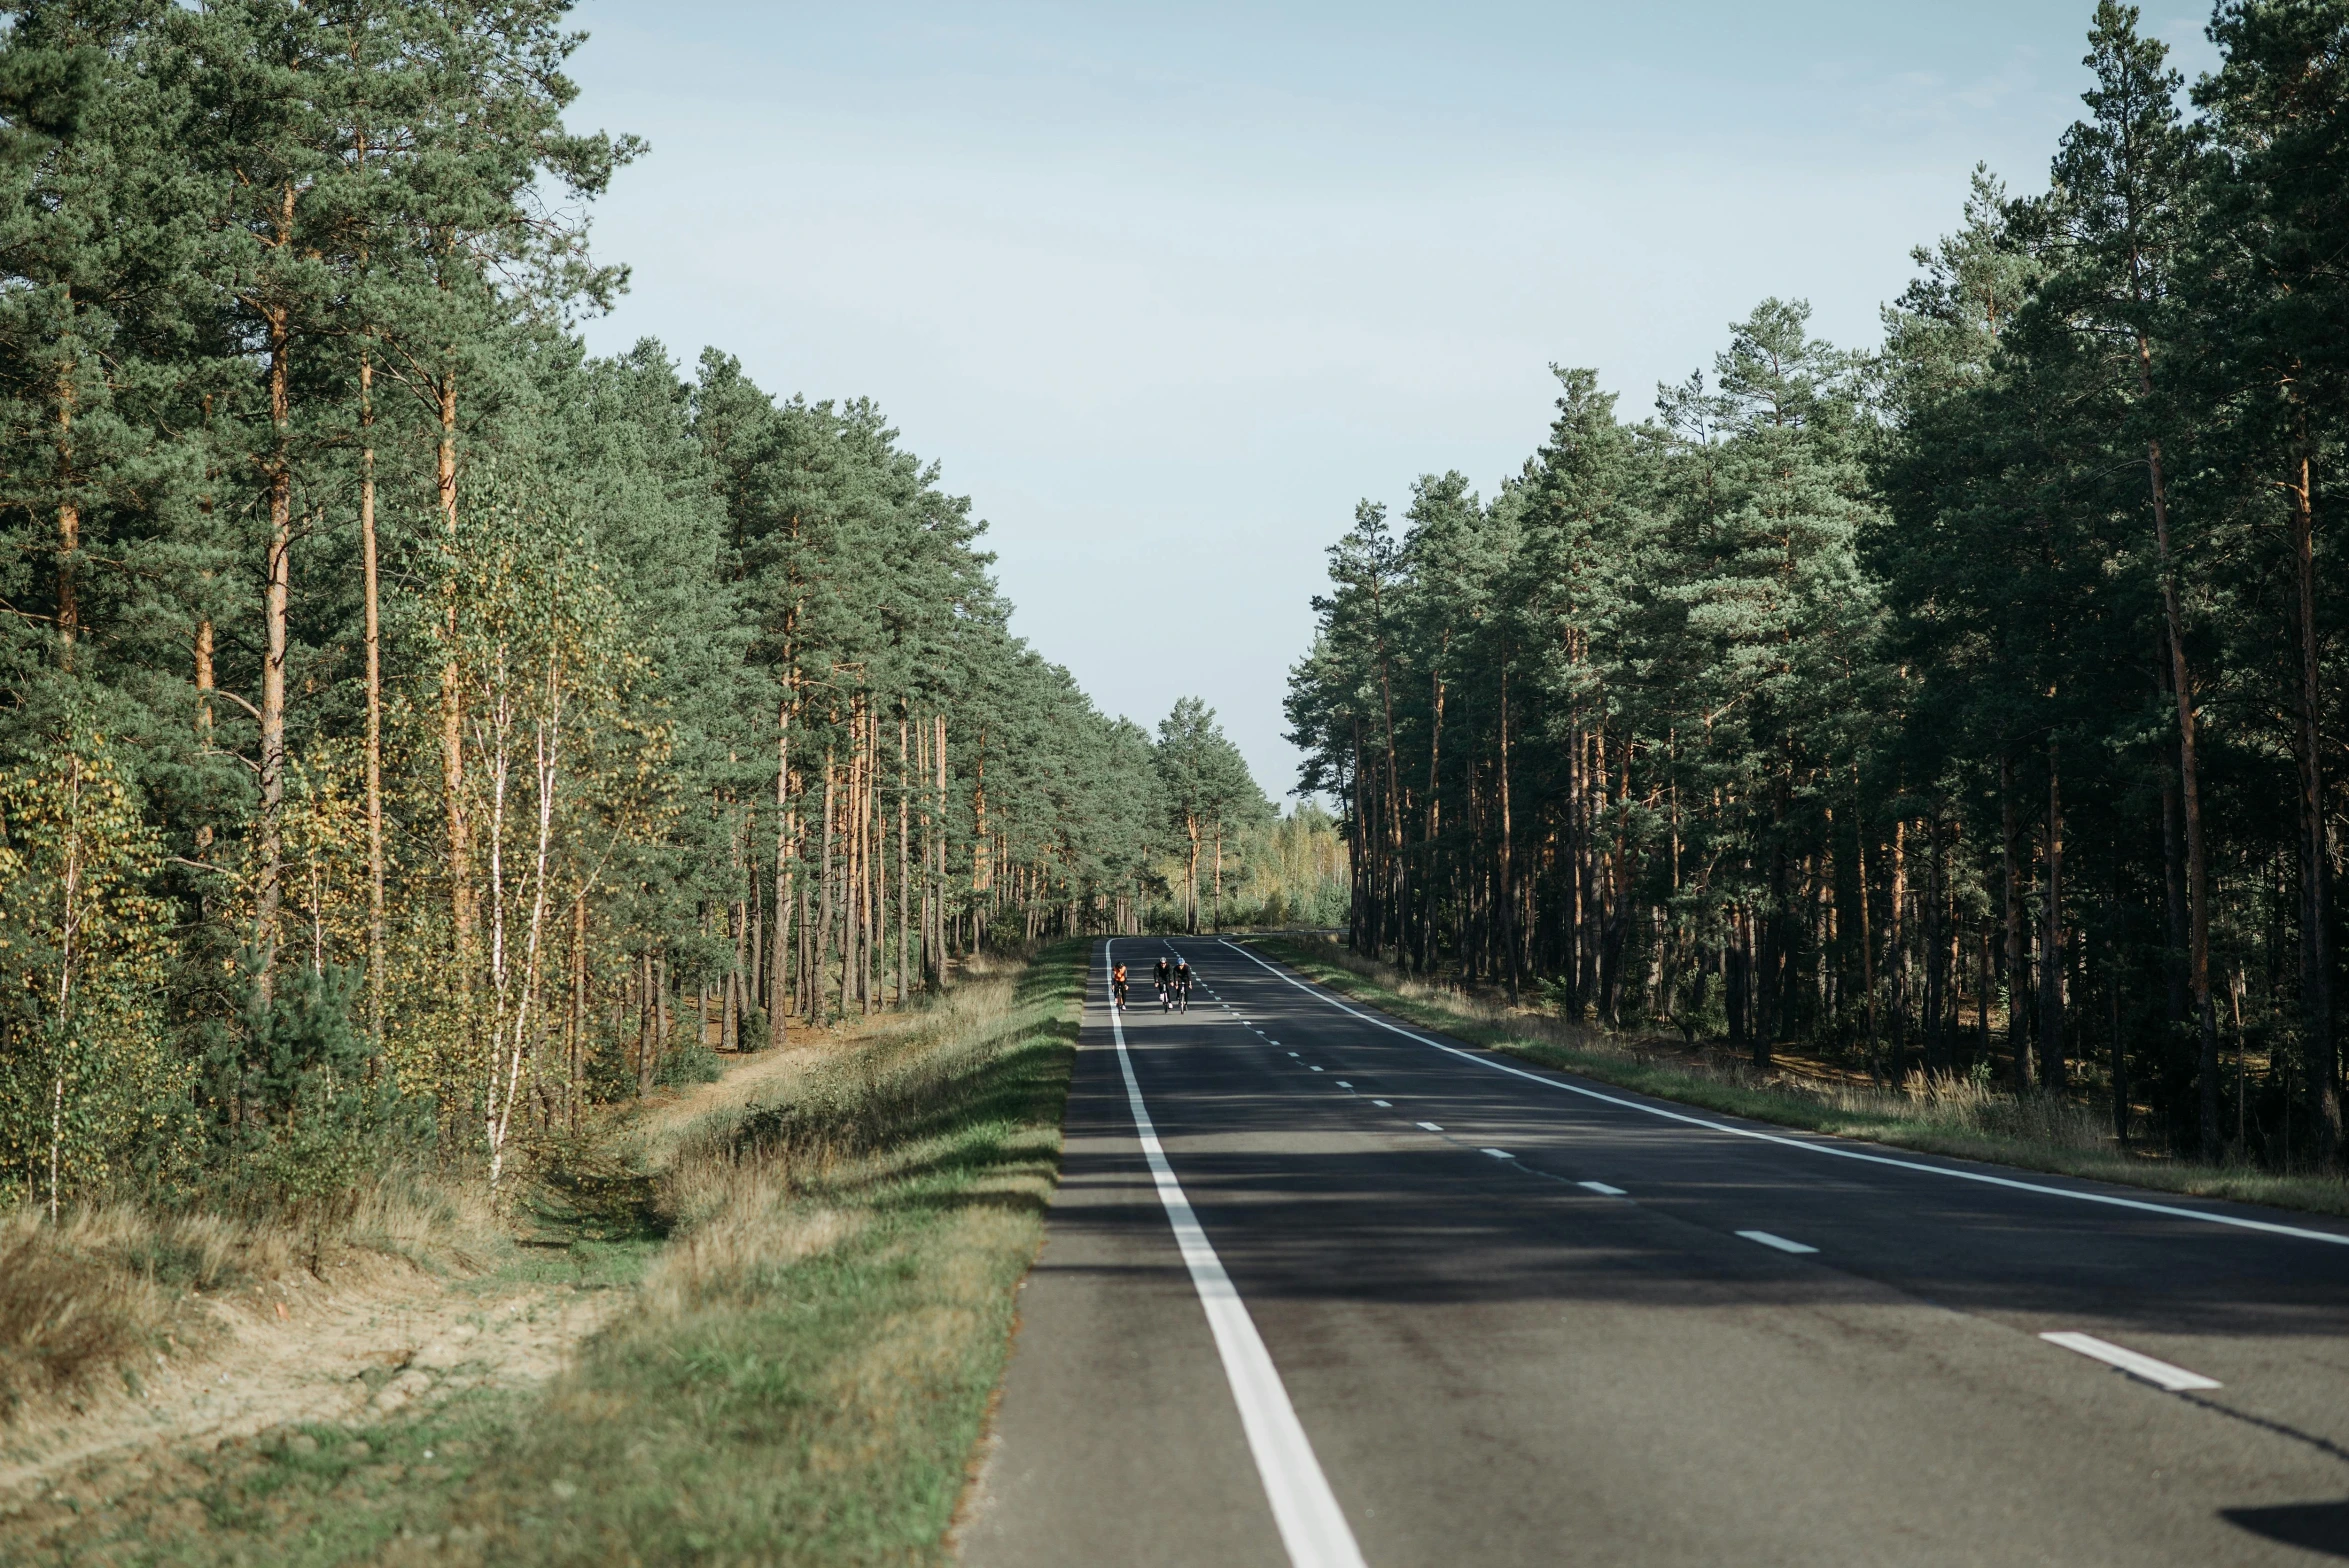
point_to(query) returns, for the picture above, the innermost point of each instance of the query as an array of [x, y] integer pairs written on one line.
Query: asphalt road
[[1469, 1350]]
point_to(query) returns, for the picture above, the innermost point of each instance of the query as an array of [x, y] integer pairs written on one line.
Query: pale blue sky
[[1166, 288]]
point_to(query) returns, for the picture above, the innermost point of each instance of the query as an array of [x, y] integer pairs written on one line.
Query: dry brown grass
[[88, 1302], [743, 1165], [81, 1297]]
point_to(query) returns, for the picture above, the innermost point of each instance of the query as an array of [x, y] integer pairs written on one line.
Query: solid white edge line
[[1312, 1526], [2176, 1379], [1835, 1150], [1602, 1189], [1780, 1242]]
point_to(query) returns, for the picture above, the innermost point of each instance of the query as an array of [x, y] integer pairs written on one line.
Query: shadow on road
[[2313, 1527]]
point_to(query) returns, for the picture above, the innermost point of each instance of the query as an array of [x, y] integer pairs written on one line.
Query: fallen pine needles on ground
[[1952, 1116]]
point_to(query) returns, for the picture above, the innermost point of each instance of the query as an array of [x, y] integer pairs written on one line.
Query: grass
[[829, 1270], [1952, 1116]]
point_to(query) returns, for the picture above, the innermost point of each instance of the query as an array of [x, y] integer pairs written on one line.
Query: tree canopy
[[1969, 706]]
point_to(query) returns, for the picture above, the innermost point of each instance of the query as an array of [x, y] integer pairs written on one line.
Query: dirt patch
[[298, 1352]]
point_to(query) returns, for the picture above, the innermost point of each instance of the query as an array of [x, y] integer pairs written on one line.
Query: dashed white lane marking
[[1601, 1188], [2176, 1379], [1313, 1069], [1292, 1053], [1431, 1126], [1343, 1084], [1312, 1526], [1821, 1146], [1498, 1154], [1780, 1242], [1384, 1105]]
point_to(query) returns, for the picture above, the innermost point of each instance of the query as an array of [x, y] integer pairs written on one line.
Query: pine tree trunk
[[1936, 976], [2173, 868], [786, 838], [2316, 960], [2189, 791], [1896, 934], [2018, 1041], [277, 579], [1435, 748], [2051, 943], [452, 709], [904, 822], [822, 935], [1508, 899], [1867, 942], [69, 515], [378, 945]]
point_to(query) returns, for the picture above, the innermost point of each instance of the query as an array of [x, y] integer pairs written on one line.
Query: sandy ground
[[291, 1353], [379, 1337]]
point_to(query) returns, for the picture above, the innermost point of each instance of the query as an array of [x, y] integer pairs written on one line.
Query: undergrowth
[[804, 1368]]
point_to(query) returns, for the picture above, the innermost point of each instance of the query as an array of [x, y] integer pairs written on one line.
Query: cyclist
[[1182, 982], [1117, 988], [1162, 979]]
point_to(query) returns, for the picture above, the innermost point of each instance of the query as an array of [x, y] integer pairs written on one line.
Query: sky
[[1167, 289]]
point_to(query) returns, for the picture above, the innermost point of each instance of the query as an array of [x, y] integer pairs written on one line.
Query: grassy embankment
[[1954, 1117], [828, 1269]]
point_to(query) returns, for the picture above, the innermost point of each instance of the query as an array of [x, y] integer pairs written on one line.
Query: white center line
[[1312, 1526], [2176, 1379], [1387, 1105], [1810, 1146], [1780, 1242], [1431, 1126], [1498, 1154], [1601, 1188]]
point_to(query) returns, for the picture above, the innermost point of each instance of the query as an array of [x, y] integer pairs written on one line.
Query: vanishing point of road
[[1325, 1289]]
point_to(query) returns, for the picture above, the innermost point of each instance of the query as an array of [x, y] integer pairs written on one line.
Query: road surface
[[1388, 1299]]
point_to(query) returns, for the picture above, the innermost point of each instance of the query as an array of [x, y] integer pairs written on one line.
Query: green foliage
[[89, 1095], [552, 696], [1835, 707], [309, 1108], [694, 1064]]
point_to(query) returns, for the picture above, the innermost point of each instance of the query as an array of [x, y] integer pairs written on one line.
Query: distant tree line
[[1975, 706], [413, 729]]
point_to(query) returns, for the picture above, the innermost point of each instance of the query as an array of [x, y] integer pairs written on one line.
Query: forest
[[415, 731], [1971, 706]]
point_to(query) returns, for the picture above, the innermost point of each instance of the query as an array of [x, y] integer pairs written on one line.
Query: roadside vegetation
[[1970, 1117], [824, 1252]]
